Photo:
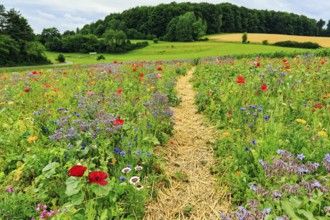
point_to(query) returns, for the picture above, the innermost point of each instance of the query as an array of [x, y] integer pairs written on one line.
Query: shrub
[[60, 58], [155, 40], [100, 57], [307, 45], [265, 42], [244, 38]]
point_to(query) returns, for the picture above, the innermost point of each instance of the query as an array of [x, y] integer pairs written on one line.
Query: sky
[[72, 14]]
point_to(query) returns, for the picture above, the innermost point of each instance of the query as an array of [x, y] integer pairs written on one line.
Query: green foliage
[[100, 57], [60, 58], [244, 38], [17, 45], [185, 28], [155, 40], [295, 44], [265, 42]]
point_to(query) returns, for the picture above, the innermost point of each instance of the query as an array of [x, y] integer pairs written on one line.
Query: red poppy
[[98, 177], [141, 75], [240, 79], [285, 61], [118, 121], [34, 72], [319, 106], [288, 68], [264, 87], [257, 64], [77, 171], [27, 89], [119, 91], [159, 68]]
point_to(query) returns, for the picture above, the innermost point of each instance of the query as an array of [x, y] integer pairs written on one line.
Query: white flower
[[139, 187], [138, 168], [126, 170], [134, 180]]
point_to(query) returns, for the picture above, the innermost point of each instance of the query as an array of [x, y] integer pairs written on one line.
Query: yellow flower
[[32, 139], [322, 134], [302, 121], [10, 103], [225, 134]]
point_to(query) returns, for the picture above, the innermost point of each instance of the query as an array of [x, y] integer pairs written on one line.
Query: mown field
[[271, 38]]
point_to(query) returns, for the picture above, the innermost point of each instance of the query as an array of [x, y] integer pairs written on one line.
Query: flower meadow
[[78, 143], [273, 151]]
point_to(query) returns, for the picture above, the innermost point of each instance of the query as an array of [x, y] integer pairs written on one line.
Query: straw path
[[192, 193]]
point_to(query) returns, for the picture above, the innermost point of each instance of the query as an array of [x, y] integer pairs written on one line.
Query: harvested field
[[272, 38]]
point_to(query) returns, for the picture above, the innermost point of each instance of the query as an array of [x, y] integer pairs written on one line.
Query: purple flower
[[242, 109], [253, 142], [9, 189], [300, 156], [315, 184], [122, 178], [327, 157], [266, 117], [266, 211]]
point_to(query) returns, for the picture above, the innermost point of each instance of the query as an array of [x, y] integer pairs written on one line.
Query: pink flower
[[158, 75], [9, 189]]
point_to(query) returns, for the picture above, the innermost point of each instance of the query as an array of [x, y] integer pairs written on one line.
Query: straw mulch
[[192, 192]]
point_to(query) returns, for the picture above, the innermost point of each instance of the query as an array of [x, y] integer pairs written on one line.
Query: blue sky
[[70, 14]]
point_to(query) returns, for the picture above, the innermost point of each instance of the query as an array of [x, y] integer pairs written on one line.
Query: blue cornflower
[[305, 105], [266, 117], [255, 115], [253, 142], [83, 145], [253, 106], [138, 153], [242, 109], [122, 178], [148, 154], [259, 108], [60, 109], [246, 149], [117, 151], [122, 153]]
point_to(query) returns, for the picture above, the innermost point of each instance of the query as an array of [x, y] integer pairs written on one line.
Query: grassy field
[[174, 50], [271, 38], [167, 51]]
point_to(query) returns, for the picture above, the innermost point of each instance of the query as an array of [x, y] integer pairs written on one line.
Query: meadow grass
[[163, 51]]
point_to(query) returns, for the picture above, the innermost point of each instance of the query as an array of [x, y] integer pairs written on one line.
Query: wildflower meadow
[[273, 116], [77, 143]]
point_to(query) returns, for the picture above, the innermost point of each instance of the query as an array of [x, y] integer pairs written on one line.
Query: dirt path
[[192, 193]]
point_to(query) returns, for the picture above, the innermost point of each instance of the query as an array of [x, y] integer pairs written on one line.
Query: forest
[[184, 22]]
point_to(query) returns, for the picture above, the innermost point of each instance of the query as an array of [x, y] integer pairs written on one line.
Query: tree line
[[18, 44], [148, 22]]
